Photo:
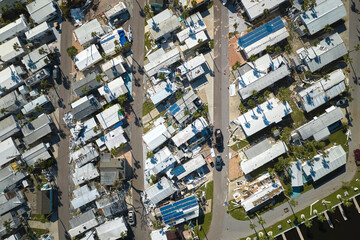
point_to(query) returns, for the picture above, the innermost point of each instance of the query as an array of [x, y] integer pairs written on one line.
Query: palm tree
[[326, 77], [271, 171], [348, 203], [306, 31], [93, 34], [357, 47], [42, 51], [293, 202], [117, 42], [266, 12], [16, 46], [262, 222], [253, 226], [321, 218], [328, 28], [308, 223], [347, 59]]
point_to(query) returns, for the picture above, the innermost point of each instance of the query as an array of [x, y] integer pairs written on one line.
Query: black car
[[218, 162], [218, 139]]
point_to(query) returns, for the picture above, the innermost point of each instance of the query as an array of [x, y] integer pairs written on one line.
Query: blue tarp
[[261, 32], [77, 13]]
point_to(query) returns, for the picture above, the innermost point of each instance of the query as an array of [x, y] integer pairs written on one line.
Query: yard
[[239, 145], [205, 220], [148, 106]]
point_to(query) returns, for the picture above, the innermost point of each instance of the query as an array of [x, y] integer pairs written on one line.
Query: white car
[[131, 218]]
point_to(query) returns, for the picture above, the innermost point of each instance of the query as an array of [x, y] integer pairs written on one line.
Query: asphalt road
[[63, 156], [137, 22], [225, 227], [221, 115]]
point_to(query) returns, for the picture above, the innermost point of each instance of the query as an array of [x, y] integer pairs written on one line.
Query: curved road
[[223, 226]]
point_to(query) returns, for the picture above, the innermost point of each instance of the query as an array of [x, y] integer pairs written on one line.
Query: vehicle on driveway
[[55, 72], [357, 156], [218, 162], [342, 102], [219, 140], [131, 218]]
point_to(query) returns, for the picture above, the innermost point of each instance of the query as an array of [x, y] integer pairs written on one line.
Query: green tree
[[193, 3], [149, 154], [235, 25], [267, 93], [3, 110], [122, 98], [253, 58], [288, 48], [185, 14], [266, 12], [99, 77], [328, 28], [20, 116], [153, 178], [114, 151], [357, 47], [306, 31], [308, 223], [242, 108], [117, 42], [293, 202], [3, 89], [44, 83], [262, 222], [105, 57], [93, 34], [211, 44], [347, 59], [278, 49], [42, 51], [284, 94], [38, 109], [321, 218], [251, 103], [308, 74], [126, 47], [348, 203], [84, 90], [270, 49], [72, 51], [326, 77], [252, 226], [255, 93], [261, 99]]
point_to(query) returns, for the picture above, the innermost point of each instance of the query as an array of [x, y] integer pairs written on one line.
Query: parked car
[[132, 218], [357, 156], [342, 102], [218, 162], [55, 72], [218, 140]]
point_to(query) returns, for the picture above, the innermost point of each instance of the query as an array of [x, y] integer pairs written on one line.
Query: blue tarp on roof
[[122, 37], [261, 32], [175, 211], [77, 13]]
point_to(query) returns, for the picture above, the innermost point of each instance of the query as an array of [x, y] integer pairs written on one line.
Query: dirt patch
[[234, 170], [234, 55]]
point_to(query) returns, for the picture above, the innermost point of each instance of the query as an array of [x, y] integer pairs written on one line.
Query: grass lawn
[[39, 232], [205, 220], [339, 137], [297, 116], [148, 41], [148, 106], [209, 190], [39, 217], [237, 212], [237, 146]]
